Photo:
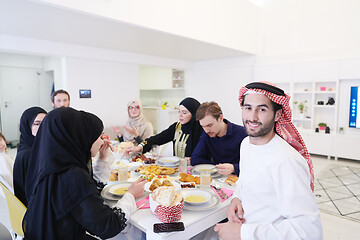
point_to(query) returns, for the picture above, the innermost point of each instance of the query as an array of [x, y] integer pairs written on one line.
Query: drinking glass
[[205, 178], [123, 174], [155, 151], [182, 165]]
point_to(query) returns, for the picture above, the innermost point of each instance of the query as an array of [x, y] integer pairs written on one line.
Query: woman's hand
[[137, 188], [132, 130], [104, 149], [117, 130], [136, 149]]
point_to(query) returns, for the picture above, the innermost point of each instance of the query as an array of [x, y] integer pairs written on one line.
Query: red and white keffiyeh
[[284, 127]]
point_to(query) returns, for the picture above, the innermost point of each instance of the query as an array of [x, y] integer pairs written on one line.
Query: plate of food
[[204, 167], [155, 170], [156, 182], [188, 185], [120, 148], [184, 177], [106, 194], [172, 161], [143, 159], [197, 197], [201, 205], [119, 189]]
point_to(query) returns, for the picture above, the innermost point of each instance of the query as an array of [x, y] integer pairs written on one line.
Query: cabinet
[[160, 78], [178, 77], [310, 102], [155, 78], [315, 95], [159, 85]]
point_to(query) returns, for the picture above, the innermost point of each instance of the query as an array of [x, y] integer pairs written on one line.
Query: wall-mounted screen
[[85, 93], [354, 118]]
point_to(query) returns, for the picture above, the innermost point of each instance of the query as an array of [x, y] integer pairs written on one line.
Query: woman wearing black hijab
[[29, 124], [185, 133], [64, 202]]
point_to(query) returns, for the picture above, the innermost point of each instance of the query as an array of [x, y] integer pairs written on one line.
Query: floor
[[334, 227]]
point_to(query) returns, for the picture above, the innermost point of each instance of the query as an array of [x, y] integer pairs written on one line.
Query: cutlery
[[224, 194], [218, 191], [143, 204]]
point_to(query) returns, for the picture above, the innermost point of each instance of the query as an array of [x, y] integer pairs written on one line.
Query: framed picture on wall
[[85, 93]]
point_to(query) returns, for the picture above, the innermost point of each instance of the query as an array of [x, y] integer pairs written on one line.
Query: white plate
[[198, 192], [168, 161], [201, 167], [176, 185], [115, 186], [107, 195], [213, 202]]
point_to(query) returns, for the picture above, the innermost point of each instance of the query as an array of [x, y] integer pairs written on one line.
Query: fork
[[218, 188], [218, 191], [224, 194], [143, 204]]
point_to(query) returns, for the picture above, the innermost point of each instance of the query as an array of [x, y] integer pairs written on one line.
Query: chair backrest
[[16, 210]]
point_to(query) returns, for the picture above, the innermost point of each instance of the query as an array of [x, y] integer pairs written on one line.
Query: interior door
[[19, 90]]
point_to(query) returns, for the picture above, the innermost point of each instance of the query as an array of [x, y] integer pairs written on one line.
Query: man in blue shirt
[[220, 142]]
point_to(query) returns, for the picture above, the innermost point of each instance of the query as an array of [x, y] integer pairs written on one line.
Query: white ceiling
[[34, 20]]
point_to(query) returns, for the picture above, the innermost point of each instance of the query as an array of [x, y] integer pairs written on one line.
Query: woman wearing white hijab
[[137, 127]]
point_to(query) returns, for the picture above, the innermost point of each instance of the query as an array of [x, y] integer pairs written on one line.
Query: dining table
[[195, 221]]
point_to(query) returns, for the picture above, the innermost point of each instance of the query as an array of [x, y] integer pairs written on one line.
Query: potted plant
[[302, 107], [163, 106], [322, 126]]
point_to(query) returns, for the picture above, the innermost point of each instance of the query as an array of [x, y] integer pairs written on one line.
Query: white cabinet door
[[347, 147], [319, 143], [155, 78]]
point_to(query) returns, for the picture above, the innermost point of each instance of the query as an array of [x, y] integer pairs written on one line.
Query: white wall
[[20, 61], [310, 30], [112, 84], [58, 66], [112, 75], [220, 81]]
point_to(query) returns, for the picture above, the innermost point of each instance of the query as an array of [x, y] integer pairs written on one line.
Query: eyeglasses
[[136, 107]]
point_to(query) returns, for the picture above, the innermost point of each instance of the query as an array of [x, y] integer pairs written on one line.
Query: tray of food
[[156, 170]]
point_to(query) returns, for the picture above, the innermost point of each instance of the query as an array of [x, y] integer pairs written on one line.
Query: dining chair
[[16, 211]]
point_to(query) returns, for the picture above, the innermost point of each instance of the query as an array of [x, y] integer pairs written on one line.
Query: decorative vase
[[163, 107], [322, 128]]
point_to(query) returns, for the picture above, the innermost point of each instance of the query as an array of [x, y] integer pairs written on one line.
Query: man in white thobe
[[273, 198]]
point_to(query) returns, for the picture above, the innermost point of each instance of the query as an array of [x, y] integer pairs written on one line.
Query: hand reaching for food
[[225, 168], [137, 188], [136, 149]]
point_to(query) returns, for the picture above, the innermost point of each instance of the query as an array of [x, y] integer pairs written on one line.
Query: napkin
[[142, 202], [228, 192], [188, 170]]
